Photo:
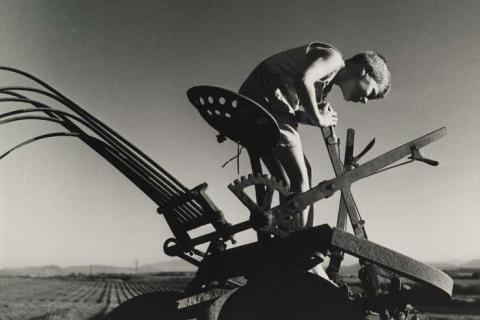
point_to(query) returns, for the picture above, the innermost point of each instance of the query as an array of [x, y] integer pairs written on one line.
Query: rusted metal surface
[[337, 255], [245, 259], [389, 157], [201, 298], [343, 181], [347, 203], [287, 295], [332, 143], [348, 165], [391, 260]]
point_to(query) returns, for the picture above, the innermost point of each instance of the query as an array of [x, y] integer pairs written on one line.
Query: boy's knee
[[304, 186]]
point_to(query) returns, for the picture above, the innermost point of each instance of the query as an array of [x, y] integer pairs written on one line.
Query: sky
[[130, 63]]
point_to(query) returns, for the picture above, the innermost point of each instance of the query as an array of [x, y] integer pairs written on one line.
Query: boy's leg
[[274, 167], [276, 170], [292, 161], [298, 169]]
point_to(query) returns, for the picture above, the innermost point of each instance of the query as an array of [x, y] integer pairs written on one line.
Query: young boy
[[302, 77]]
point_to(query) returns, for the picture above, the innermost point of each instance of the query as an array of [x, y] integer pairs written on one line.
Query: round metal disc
[[235, 116]]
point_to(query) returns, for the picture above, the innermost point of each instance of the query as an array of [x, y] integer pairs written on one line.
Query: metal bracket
[[416, 155]]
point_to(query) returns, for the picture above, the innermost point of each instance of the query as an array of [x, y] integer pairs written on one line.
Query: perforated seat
[[235, 116]]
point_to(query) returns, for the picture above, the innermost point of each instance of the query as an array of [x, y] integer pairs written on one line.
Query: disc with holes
[[235, 116]]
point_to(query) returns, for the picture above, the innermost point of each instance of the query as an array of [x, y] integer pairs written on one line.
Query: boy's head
[[367, 77]]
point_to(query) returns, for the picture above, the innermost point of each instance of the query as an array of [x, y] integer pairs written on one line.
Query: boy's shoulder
[[320, 48], [293, 61]]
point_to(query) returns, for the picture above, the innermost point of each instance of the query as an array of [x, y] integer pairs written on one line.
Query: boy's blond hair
[[376, 67]]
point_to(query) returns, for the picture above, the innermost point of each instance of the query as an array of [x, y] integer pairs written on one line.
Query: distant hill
[[472, 264], [176, 265], [45, 271], [179, 265], [444, 265], [53, 270], [455, 265], [352, 270]]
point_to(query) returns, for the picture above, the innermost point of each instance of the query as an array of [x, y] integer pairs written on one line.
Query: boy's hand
[[327, 116]]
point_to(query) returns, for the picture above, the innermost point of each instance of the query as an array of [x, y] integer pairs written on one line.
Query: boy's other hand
[[328, 117]]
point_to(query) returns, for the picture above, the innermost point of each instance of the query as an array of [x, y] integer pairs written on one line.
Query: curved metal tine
[[30, 118], [11, 90], [27, 100], [69, 103], [193, 206], [44, 108], [74, 107], [41, 107], [35, 103], [189, 210], [52, 120], [49, 135], [113, 152], [165, 193], [43, 136]]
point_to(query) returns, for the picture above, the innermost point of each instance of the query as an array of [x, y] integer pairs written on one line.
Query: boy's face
[[360, 87]]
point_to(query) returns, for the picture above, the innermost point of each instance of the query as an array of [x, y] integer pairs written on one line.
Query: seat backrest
[[235, 116]]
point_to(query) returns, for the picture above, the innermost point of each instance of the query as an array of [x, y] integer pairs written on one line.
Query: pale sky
[[130, 65]]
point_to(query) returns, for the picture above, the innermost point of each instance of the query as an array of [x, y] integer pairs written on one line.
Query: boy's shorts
[[289, 136], [279, 98]]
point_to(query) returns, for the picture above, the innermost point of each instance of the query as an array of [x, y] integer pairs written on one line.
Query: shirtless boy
[[292, 86]]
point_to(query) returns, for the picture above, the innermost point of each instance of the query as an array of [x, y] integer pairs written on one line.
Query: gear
[[261, 215]]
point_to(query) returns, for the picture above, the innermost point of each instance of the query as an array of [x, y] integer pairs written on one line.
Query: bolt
[[332, 186], [295, 205]]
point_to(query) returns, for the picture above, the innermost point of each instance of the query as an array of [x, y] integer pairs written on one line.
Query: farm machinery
[[269, 278]]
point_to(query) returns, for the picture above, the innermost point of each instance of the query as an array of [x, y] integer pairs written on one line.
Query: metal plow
[[276, 284]]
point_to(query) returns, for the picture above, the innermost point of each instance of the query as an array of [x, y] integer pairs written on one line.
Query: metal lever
[[416, 155], [354, 160]]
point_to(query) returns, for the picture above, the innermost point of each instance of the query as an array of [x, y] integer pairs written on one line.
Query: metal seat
[[235, 116]]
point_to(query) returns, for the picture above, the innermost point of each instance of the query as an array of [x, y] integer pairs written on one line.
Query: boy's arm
[[303, 117], [322, 63]]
